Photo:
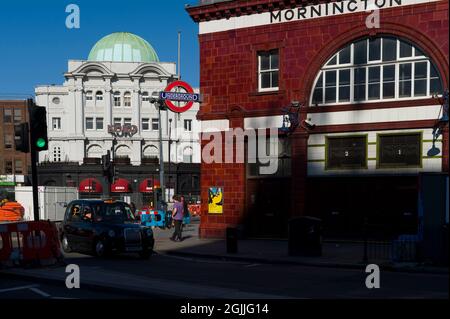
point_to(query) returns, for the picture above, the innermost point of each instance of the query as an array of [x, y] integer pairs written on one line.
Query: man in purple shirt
[[177, 216]]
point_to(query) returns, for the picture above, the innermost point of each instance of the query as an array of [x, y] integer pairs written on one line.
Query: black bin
[[232, 238], [305, 237]]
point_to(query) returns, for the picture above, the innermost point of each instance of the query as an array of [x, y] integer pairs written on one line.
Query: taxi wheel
[[145, 254], [65, 244], [100, 248]]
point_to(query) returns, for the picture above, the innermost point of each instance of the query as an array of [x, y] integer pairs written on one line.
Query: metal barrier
[[32, 243], [381, 244]]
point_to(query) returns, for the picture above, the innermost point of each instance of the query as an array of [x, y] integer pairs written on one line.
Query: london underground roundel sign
[[170, 95]]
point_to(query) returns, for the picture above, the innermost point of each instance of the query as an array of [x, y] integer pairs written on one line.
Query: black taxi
[[103, 227]]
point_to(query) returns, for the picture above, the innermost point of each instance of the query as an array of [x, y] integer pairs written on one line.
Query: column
[[108, 101], [299, 164], [79, 107]]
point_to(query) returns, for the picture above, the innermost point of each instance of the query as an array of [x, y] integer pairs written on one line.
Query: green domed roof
[[123, 47]]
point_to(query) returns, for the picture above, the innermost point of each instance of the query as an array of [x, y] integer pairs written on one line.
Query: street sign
[[170, 96]]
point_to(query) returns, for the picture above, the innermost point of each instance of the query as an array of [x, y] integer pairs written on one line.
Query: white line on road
[[40, 292], [18, 288], [252, 265]]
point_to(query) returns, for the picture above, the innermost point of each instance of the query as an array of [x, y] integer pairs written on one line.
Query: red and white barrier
[[29, 243]]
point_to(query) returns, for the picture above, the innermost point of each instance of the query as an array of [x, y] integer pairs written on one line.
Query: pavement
[[335, 254]]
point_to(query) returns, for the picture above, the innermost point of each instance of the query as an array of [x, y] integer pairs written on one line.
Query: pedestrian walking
[[177, 216]]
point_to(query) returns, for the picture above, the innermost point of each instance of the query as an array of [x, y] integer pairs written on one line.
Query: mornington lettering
[[329, 9]]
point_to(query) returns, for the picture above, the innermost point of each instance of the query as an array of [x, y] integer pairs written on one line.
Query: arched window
[[117, 99], [94, 151], [187, 155], [145, 97], [151, 151], [127, 99], [99, 96], [376, 69], [57, 157], [89, 96], [123, 151]]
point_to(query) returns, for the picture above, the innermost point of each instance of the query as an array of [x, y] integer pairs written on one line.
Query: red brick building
[[368, 90], [12, 162]]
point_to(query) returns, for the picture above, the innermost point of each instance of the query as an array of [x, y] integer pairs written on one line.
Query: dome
[[123, 47]]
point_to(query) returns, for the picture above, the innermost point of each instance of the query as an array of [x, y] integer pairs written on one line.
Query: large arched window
[[376, 69]]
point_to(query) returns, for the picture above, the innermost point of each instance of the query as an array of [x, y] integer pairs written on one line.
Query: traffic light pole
[[34, 177]]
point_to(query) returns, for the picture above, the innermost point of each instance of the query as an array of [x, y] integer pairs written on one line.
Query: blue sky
[[35, 44]]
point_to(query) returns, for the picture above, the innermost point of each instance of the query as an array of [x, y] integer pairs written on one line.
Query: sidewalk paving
[[334, 254]]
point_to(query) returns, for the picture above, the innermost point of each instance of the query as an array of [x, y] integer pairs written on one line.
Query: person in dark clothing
[[185, 209], [177, 216]]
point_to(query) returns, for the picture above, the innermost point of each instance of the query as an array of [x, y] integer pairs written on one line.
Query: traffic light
[[21, 138], [38, 128]]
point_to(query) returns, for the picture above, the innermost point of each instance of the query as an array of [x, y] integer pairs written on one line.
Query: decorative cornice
[[228, 9]]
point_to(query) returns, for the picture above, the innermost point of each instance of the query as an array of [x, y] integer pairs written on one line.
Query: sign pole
[[161, 158]]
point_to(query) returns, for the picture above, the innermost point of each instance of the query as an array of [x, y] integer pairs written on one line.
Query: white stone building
[[113, 86]]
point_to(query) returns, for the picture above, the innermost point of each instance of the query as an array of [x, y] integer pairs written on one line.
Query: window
[[376, 69], [89, 96], [155, 124], [346, 152], [187, 155], [127, 99], [57, 154], [99, 96], [56, 100], [117, 100], [145, 97], [268, 70], [188, 125], [89, 123], [7, 116], [8, 167], [399, 150], [17, 116], [99, 123], [56, 123], [9, 140], [145, 124], [127, 121], [117, 121], [18, 167]]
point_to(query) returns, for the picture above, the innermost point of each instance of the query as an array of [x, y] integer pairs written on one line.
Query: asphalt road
[[12, 288], [288, 281]]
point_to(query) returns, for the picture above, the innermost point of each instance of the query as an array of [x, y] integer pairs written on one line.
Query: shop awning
[[90, 185], [121, 185], [148, 185]]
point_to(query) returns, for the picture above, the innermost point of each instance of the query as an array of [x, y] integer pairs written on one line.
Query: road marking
[[252, 265], [18, 288], [40, 292]]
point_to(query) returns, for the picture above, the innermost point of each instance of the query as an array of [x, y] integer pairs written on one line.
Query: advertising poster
[[215, 200]]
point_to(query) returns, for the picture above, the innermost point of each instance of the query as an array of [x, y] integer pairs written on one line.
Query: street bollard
[[232, 246]]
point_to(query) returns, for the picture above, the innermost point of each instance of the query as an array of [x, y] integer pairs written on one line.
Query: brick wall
[[228, 81]]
